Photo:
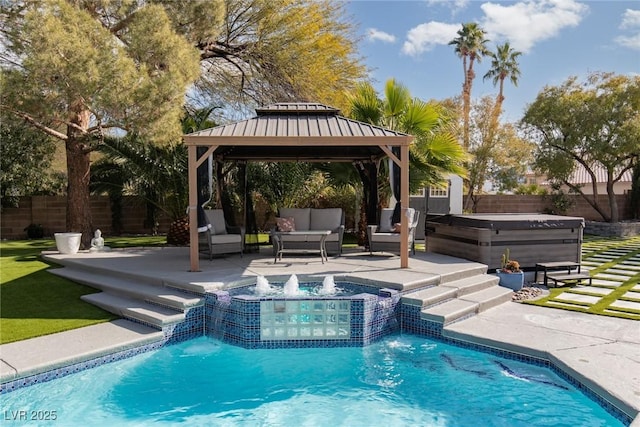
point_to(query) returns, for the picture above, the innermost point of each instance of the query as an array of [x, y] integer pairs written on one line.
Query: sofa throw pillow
[[286, 224]]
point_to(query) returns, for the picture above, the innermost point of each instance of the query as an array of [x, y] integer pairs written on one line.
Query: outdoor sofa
[[310, 219]]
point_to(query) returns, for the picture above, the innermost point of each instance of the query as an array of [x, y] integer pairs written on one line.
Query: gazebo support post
[[193, 208], [404, 203]]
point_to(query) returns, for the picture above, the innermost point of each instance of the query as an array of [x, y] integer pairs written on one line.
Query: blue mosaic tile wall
[[191, 327], [236, 319]]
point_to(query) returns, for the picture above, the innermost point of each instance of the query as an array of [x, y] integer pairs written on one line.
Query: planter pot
[[513, 281], [68, 243]]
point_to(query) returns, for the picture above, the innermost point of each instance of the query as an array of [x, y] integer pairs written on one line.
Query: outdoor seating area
[[304, 229], [220, 238], [385, 237]]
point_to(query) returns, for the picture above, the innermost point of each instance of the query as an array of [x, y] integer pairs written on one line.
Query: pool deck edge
[[42, 354]]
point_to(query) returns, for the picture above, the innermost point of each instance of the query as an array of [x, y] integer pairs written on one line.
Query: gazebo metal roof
[[297, 132]]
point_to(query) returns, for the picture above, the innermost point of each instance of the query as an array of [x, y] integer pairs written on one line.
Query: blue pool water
[[401, 380]]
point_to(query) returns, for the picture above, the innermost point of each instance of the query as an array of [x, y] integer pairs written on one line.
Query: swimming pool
[[399, 380]]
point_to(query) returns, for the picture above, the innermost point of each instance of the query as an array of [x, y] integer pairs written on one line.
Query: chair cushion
[[221, 239], [386, 237], [411, 215], [286, 224], [216, 218], [326, 219], [385, 220], [301, 217]]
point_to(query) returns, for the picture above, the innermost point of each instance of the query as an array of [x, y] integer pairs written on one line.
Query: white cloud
[[374, 34], [528, 22], [632, 42], [630, 21], [425, 37], [454, 5]]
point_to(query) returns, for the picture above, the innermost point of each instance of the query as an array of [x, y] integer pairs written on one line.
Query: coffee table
[[279, 242]]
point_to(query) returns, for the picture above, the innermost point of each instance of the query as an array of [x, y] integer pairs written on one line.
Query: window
[[438, 192]]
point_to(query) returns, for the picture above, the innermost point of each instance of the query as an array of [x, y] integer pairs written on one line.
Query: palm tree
[[157, 173], [435, 151], [504, 63], [470, 45]]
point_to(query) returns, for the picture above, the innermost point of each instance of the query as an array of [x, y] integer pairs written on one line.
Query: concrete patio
[[603, 353]]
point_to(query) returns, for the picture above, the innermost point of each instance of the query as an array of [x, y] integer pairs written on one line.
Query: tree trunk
[[466, 112], [78, 165], [362, 225], [466, 98], [613, 203]]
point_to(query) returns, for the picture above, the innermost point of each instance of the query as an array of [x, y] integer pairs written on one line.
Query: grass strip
[[34, 302], [629, 247]]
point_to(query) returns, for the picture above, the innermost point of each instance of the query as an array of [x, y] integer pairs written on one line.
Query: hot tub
[[530, 238]]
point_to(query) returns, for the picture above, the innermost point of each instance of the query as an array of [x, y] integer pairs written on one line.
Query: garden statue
[[97, 243]]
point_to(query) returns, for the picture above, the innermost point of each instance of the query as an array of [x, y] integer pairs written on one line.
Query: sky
[[408, 41]]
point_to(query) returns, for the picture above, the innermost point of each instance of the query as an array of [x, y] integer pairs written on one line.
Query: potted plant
[[34, 231], [509, 273]]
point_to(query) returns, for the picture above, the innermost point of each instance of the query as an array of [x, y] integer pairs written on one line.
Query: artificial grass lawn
[[34, 302], [590, 247]]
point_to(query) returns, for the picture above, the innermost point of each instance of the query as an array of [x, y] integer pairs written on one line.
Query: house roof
[[581, 176], [298, 131]]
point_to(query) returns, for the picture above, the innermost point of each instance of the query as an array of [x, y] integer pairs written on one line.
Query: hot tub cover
[[499, 221]]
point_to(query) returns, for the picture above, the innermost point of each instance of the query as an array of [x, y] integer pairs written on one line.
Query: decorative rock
[[526, 293]]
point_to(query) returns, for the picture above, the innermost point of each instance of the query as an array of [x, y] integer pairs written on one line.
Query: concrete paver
[[570, 296], [625, 304], [594, 290]]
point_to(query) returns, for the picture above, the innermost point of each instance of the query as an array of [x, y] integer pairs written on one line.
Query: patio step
[[449, 290], [159, 295], [457, 299], [472, 284], [449, 311], [135, 309], [490, 297], [430, 296]]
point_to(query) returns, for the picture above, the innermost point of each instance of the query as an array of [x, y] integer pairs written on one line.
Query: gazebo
[[289, 132]]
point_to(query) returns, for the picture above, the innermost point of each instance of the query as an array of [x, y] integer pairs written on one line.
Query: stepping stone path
[[613, 283]]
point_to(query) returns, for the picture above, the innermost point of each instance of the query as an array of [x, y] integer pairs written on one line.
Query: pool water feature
[[308, 314], [292, 288], [399, 380]]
